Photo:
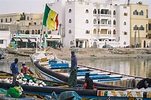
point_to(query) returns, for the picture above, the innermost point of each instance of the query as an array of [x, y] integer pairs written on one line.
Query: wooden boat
[[48, 90], [51, 67], [20, 53]]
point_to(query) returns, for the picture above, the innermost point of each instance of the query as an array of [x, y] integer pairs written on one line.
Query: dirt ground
[[81, 53]]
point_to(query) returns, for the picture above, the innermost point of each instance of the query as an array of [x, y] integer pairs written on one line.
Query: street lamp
[[135, 28]]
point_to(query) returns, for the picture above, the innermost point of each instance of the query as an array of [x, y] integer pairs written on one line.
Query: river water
[[137, 67]]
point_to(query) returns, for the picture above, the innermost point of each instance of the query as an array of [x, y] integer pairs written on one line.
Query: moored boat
[[48, 65]]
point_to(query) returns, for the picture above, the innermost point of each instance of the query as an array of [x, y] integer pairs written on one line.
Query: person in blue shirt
[[14, 69], [72, 80]]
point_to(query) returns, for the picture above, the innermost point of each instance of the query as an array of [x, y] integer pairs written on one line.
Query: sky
[[37, 6]]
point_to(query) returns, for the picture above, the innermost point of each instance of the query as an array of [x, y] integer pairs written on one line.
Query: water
[[138, 67]]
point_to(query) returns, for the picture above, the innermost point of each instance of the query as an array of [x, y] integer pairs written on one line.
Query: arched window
[[87, 11], [135, 12], [114, 22], [141, 27], [114, 12], [27, 32], [1, 20], [39, 31], [94, 31], [94, 21], [94, 11], [141, 12], [114, 32], [70, 10], [87, 21], [70, 21], [32, 31], [124, 23], [87, 32]]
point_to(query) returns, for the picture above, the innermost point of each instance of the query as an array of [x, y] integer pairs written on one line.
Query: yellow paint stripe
[[138, 94], [121, 93], [113, 93], [129, 94]]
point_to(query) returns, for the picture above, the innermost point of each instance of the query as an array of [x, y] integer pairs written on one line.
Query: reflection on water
[[138, 67]]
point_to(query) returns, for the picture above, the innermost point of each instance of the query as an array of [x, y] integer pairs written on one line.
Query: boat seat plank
[[59, 65]]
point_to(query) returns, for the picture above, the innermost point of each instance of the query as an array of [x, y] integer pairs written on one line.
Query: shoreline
[[129, 56]]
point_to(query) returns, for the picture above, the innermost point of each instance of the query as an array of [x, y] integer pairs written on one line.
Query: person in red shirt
[[24, 69]]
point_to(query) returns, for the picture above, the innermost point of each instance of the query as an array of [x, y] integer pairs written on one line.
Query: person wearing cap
[[72, 81], [88, 84], [14, 69], [24, 69]]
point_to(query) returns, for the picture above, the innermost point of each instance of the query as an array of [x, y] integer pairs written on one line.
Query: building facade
[[25, 29], [93, 24], [5, 38], [138, 24]]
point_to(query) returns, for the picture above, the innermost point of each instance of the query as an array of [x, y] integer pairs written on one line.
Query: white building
[[88, 24], [4, 38]]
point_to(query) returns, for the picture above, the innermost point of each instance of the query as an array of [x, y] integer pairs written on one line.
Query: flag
[[50, 19]]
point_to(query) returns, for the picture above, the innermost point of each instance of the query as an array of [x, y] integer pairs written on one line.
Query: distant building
[[4, 38], [138, 24], [93, 24], [24, 26]]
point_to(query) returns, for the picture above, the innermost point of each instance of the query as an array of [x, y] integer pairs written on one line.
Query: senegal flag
[[50, 18]]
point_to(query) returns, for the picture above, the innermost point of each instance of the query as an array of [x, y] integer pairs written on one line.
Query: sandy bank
[[95, 53]]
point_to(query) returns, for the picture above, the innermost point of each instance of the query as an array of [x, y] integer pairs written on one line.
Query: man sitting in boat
[[24, 69], [88, 84], [144, 83]]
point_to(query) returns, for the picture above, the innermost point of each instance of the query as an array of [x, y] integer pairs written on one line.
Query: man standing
[[72, 81], [14, 69]]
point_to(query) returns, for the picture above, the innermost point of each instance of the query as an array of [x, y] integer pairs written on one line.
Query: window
[[114, 32], [124, 23], [125, 14], [87, 11], [141, 12], [114, 22], [124, 43], [135, 12], [27, 18], [70, 10], [70, 32], [32, 31], [39, 31], [141, 27], [87, 32], [87, 21], [6, 20], [34, 23], [10, 19], [114, 13], [94, 11], [29, 23], [1, 41], [125, 33], [98, 21], [94, 21], [98, 11], [149, 26], [94, 31], [1, 20], [70, 21]]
